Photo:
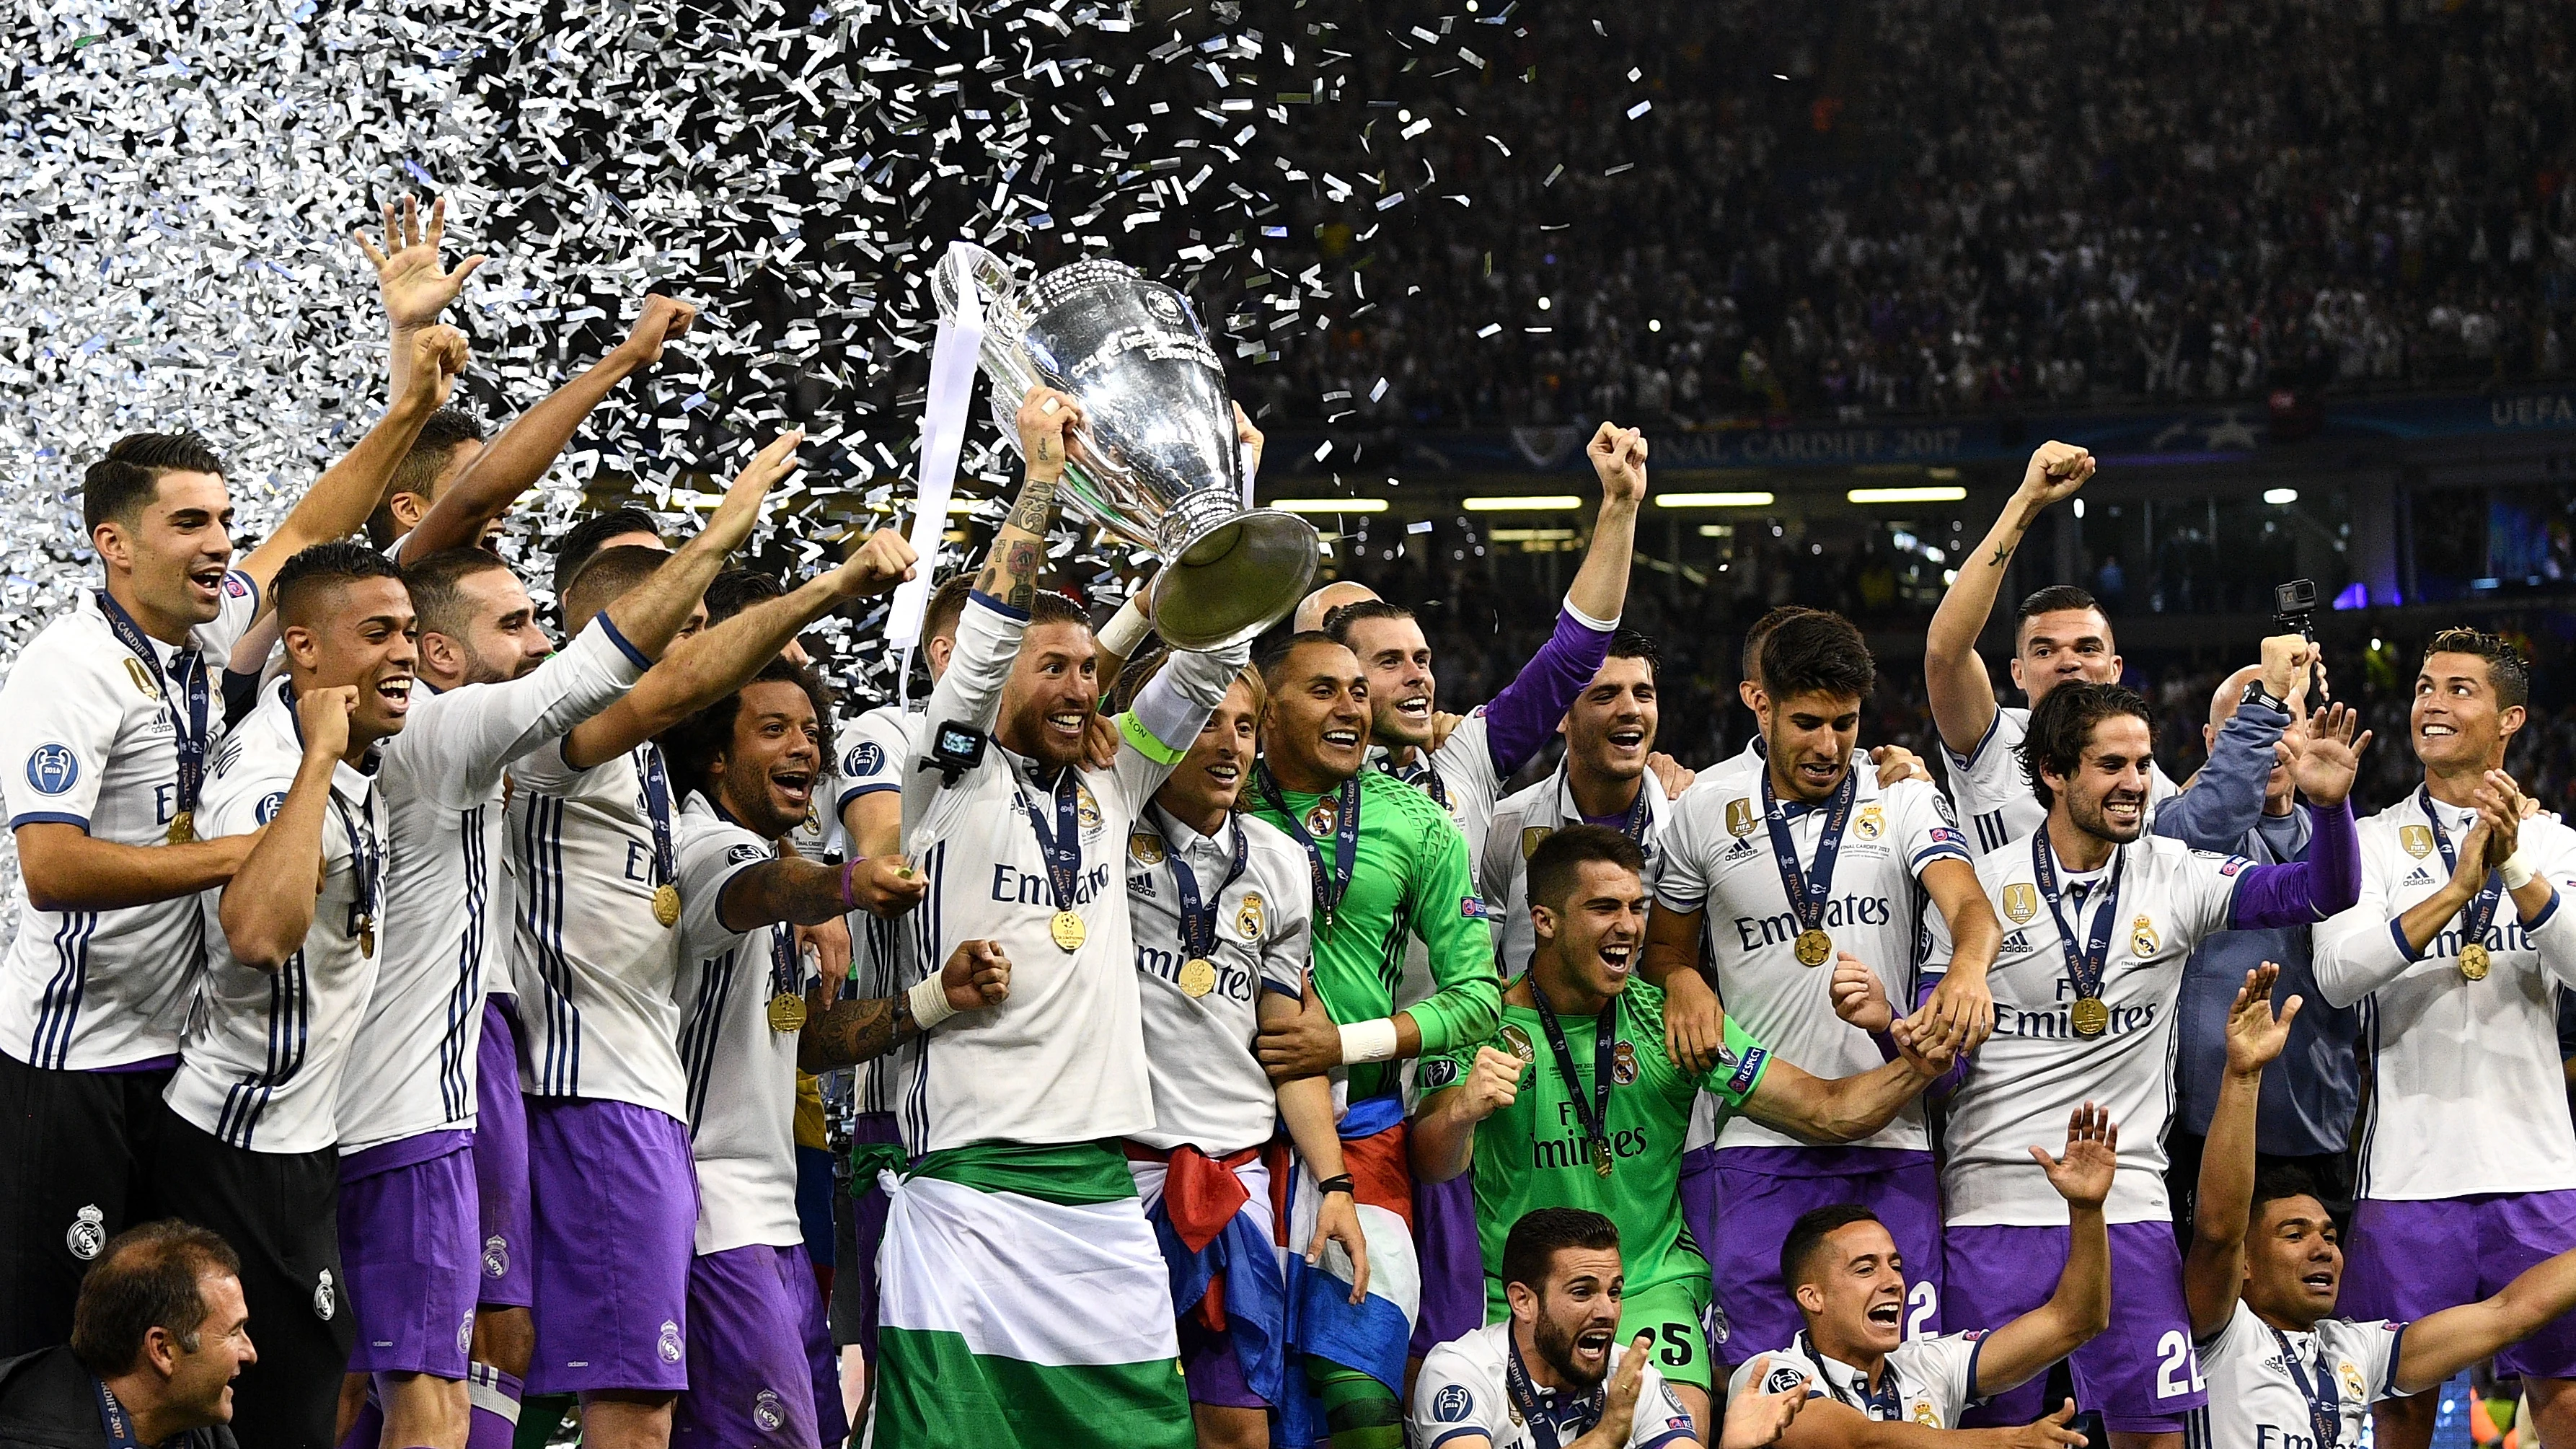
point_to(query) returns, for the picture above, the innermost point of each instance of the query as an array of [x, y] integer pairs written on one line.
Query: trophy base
[[1228, 582]]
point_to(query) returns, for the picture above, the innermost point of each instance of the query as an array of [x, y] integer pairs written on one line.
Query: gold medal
[[184, 828], [366, 935], [1600, 1158], [2473, 961], [2092, 1018], [786, 1012], [1198, 977], [666, 904], [1067, 930], [1814, 947]]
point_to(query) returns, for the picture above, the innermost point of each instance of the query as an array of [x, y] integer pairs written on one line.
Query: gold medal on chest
[[1198, 977], [2474, 962], [666, 904], [1814, 947], [184, 828], [786, 1012], [2092, 1018], [1067, 930]]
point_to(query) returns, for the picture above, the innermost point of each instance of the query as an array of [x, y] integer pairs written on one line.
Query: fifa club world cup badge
[[87, 1234]]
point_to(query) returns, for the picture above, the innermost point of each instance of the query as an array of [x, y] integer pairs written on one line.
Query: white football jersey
[[885, 956], [2254, 1403], [1464, 1389], [594, 966], [1993, 794], [414, 1067], [1209, 1089], [89, 738], [1718, 859], [741, 1074], [1063, 1060], [1926, 1381], [261, 1060], [1524, 819], [2034, 1072], [2467, 1094]]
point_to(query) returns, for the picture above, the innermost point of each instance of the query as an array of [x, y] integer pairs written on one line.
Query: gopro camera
[[954, 749], [2294, 608]]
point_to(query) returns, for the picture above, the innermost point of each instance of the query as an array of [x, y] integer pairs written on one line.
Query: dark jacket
[[47, 1402]]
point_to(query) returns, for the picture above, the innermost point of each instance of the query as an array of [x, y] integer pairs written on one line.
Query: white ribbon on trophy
[[943, 436]]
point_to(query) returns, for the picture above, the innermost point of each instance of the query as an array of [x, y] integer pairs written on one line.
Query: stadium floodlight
[[1713, 500], [2279, 496], [1330, 505], [1936, 494], [1521, 503]]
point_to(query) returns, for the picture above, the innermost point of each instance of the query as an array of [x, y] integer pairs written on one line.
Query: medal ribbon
[[1640, 814], [1884, 1404], [1583, 1413], [363, 860], [2479, 914], [112, 1416], [1592, 1116], [2324, 1395], [1810, 890], [1329, 885], [188, 724], [1198, 918], [657, 805], [783, 968], [2084, 966], [1062, 849]]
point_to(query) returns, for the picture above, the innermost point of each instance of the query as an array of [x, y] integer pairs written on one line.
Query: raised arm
[[1962, 694], [2307, 892], [412, 282], [267, 909], [2441, 1344], [1171, 707], [2081, 1305], [520, 455], [2213, 1271], [2227, 799], [1600, 588], [1521, 717]]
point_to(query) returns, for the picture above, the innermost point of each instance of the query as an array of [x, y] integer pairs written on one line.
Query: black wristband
[[1340, 1184]]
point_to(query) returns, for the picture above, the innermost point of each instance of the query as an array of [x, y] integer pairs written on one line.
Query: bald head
[[2222, 705], [1312, 609]]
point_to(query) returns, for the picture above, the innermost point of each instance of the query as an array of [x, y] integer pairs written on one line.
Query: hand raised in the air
[[978, 975], [322, 716], [663, 321], [2329, 756], [1619, 1410], [1860, 998], [2056, 470], [433, 358], [1046, 424], [880, 564], [2083, 1176], [2256, 1035], [408, 275], [1619, 460], [1761, 1415], [729, 527]]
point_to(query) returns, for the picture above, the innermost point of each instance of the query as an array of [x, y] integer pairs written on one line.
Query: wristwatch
[[2255, 693]]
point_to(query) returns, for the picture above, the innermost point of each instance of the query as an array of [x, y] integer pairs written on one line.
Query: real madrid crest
[[2418, 840], [2350, 1373], [2021, 902], [1623, 1064], [1319, 817], [1739, 817], [1872, 823], [325, 1302], [1532, 836], [142, 678], [1247, 917], [2142, 937], [1085, 809], [1145, 848], [87, 1234]]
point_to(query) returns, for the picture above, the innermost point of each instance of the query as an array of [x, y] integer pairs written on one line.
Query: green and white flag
[[1023, 1302]]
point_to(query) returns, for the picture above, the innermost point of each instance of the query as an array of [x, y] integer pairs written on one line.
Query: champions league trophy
[[1155, 463]]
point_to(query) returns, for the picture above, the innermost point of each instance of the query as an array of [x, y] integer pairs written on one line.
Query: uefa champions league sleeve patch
[[1452, 1404], [269, 805], [52, 768]]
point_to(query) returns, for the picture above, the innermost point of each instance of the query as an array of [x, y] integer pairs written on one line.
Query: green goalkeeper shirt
[[1531, 1154], [1409, 876]]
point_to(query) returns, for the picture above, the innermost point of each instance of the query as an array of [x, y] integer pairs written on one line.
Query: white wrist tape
[[1369, 1041], [1126, 629], [2516, 871], [929, 1003]]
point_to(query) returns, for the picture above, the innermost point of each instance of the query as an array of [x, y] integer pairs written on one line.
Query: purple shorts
[[1453, 1262], [760, 1357], [407, 1248], [2141, 1372], [1761, 1191], [2410, 1259], [1699, 1198], [616, 1197], [1212, 1369], [501, 1161]]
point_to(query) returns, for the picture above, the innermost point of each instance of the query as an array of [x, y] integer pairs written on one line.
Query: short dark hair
[[1274, 665], [2062, 725], [1808, 1234], [694, 743], [437, 603], [323, 567], [1559, 860], [1754, 638], [2506, 668], [605, 578], [1047, 606], [2055, 599], [118, 485], [1636, 644], [1817, 653], [447, 429], [146, 1278], [1530, 1248], [735, 590], [947, 605], [2280, 1180], [1338, 623], [582, 541]]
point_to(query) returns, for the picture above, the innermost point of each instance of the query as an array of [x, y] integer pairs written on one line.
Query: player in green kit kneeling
[[1573, 1102]]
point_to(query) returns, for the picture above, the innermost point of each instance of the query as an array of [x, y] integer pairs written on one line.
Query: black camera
[[955, 749], [2294, 610]]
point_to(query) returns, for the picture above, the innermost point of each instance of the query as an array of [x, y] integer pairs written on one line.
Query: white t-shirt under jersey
[[1209, 1089], [2255, 1404], [1934, 1380], [1463, 1389], [1523, 820], [1717, 858], [2033, 1073], [2467, 1094], [261, 1060], [885, 955], [1993, 794], [594, 967], [1063, 1059], [88, 739], [413, 1070], [741, 1074]]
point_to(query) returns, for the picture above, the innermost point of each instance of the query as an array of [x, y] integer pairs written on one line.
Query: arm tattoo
[[2001, 553], [850, 1032], [1037, 501]]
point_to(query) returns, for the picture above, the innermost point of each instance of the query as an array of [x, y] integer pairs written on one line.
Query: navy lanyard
[[1329, 886], [1885, 1404], [1582, 1415], [1593, 1116], [1809, 890], [1198, 918], [1063, 848], [2324, 1395], [190, 723], [657, 808], [2085, 966], [2480, 911], [783, 968], [112, 1415], [1640, 814], [363, 861]]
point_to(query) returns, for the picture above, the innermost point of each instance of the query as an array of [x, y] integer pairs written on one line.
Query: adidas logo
[[2419, 877], [2016, 942]]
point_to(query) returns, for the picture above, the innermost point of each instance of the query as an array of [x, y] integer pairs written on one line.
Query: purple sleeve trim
[[2304, 892], [1523, 716]]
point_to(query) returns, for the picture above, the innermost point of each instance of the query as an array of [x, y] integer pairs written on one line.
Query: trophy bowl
[[1155, 462]]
